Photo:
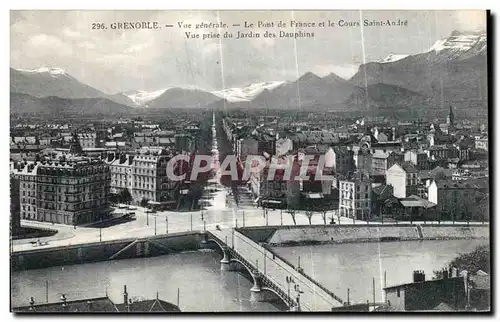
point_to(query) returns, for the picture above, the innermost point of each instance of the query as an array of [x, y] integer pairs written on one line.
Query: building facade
[[144, 175], [15, 206], [457, 199], [343, 160], [72, 191], [403, 177], [355, 197]]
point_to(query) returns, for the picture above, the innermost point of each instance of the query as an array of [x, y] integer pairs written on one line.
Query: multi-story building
[[279, 192], [246, 146], [15, 206], [363, 161], [418, 158], [144, 175], [25, 172], [343, 160], [184, 142], [355, 196], [481, 143], [382, 161], [69, 191], [442, 152], [121, 172], [456, 199], [87, 140], [403, 177]]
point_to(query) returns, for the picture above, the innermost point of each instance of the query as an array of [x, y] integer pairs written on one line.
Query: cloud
[[471, 20]]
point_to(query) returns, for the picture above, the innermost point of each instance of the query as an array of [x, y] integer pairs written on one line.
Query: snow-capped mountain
[[142, 97], [48, 70], [392, 58], [247, 93], [177, 97], [45, 82], [460, 45], [452, 71]]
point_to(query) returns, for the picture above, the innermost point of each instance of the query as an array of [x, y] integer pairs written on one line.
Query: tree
[[292, 213], [125, 196], [323, 214], [76, 147], [478, 259], [114, 198], [309, 214], [144, 202]]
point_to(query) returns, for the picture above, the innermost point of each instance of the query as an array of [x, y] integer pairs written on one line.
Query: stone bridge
[[271, 275]]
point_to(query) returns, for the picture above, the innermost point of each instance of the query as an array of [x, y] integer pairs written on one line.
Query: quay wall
[[456, 232], [297, 235], [107, 250]]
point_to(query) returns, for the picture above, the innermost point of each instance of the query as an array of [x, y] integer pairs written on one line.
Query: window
[[398, 291]]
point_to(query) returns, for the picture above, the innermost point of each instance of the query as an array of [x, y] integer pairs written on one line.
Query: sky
[[128, 60]]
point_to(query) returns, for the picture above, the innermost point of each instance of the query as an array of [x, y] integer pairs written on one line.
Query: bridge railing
[[285, 267], [318, 284], [266, 281]]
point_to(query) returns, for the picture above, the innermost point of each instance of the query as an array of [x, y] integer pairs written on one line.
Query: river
[[203, 287], [353, 266]]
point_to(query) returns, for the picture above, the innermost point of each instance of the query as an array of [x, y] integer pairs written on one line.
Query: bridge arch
[[283, 301], [215, 242]]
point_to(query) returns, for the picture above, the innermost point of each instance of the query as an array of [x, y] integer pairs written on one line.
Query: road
[[225, 215]]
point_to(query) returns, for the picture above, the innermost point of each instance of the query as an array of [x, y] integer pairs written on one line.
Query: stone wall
[[296, 235], [94, 252]]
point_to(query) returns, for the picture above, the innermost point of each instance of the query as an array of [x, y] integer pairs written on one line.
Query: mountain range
[[452, 71]]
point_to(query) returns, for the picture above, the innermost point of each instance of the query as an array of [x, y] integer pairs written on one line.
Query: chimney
[[125, 295], [32, 303], [418, 276], [63, 299], [90, 306]]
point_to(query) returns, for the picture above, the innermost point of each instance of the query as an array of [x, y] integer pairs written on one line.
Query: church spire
[[451, 118]]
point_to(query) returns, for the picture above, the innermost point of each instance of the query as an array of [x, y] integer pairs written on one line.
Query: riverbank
[[338, 234], [272, 236], [106, 250]]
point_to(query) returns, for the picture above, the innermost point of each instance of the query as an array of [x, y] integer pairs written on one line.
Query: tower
[[450, 120]]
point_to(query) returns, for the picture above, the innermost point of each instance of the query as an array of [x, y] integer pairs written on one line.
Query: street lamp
[[155, 225], [297, 289], [289, 280], [100, 234], [166, 226]]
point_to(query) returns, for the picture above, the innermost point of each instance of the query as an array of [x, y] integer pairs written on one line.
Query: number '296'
[[98, 25]]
